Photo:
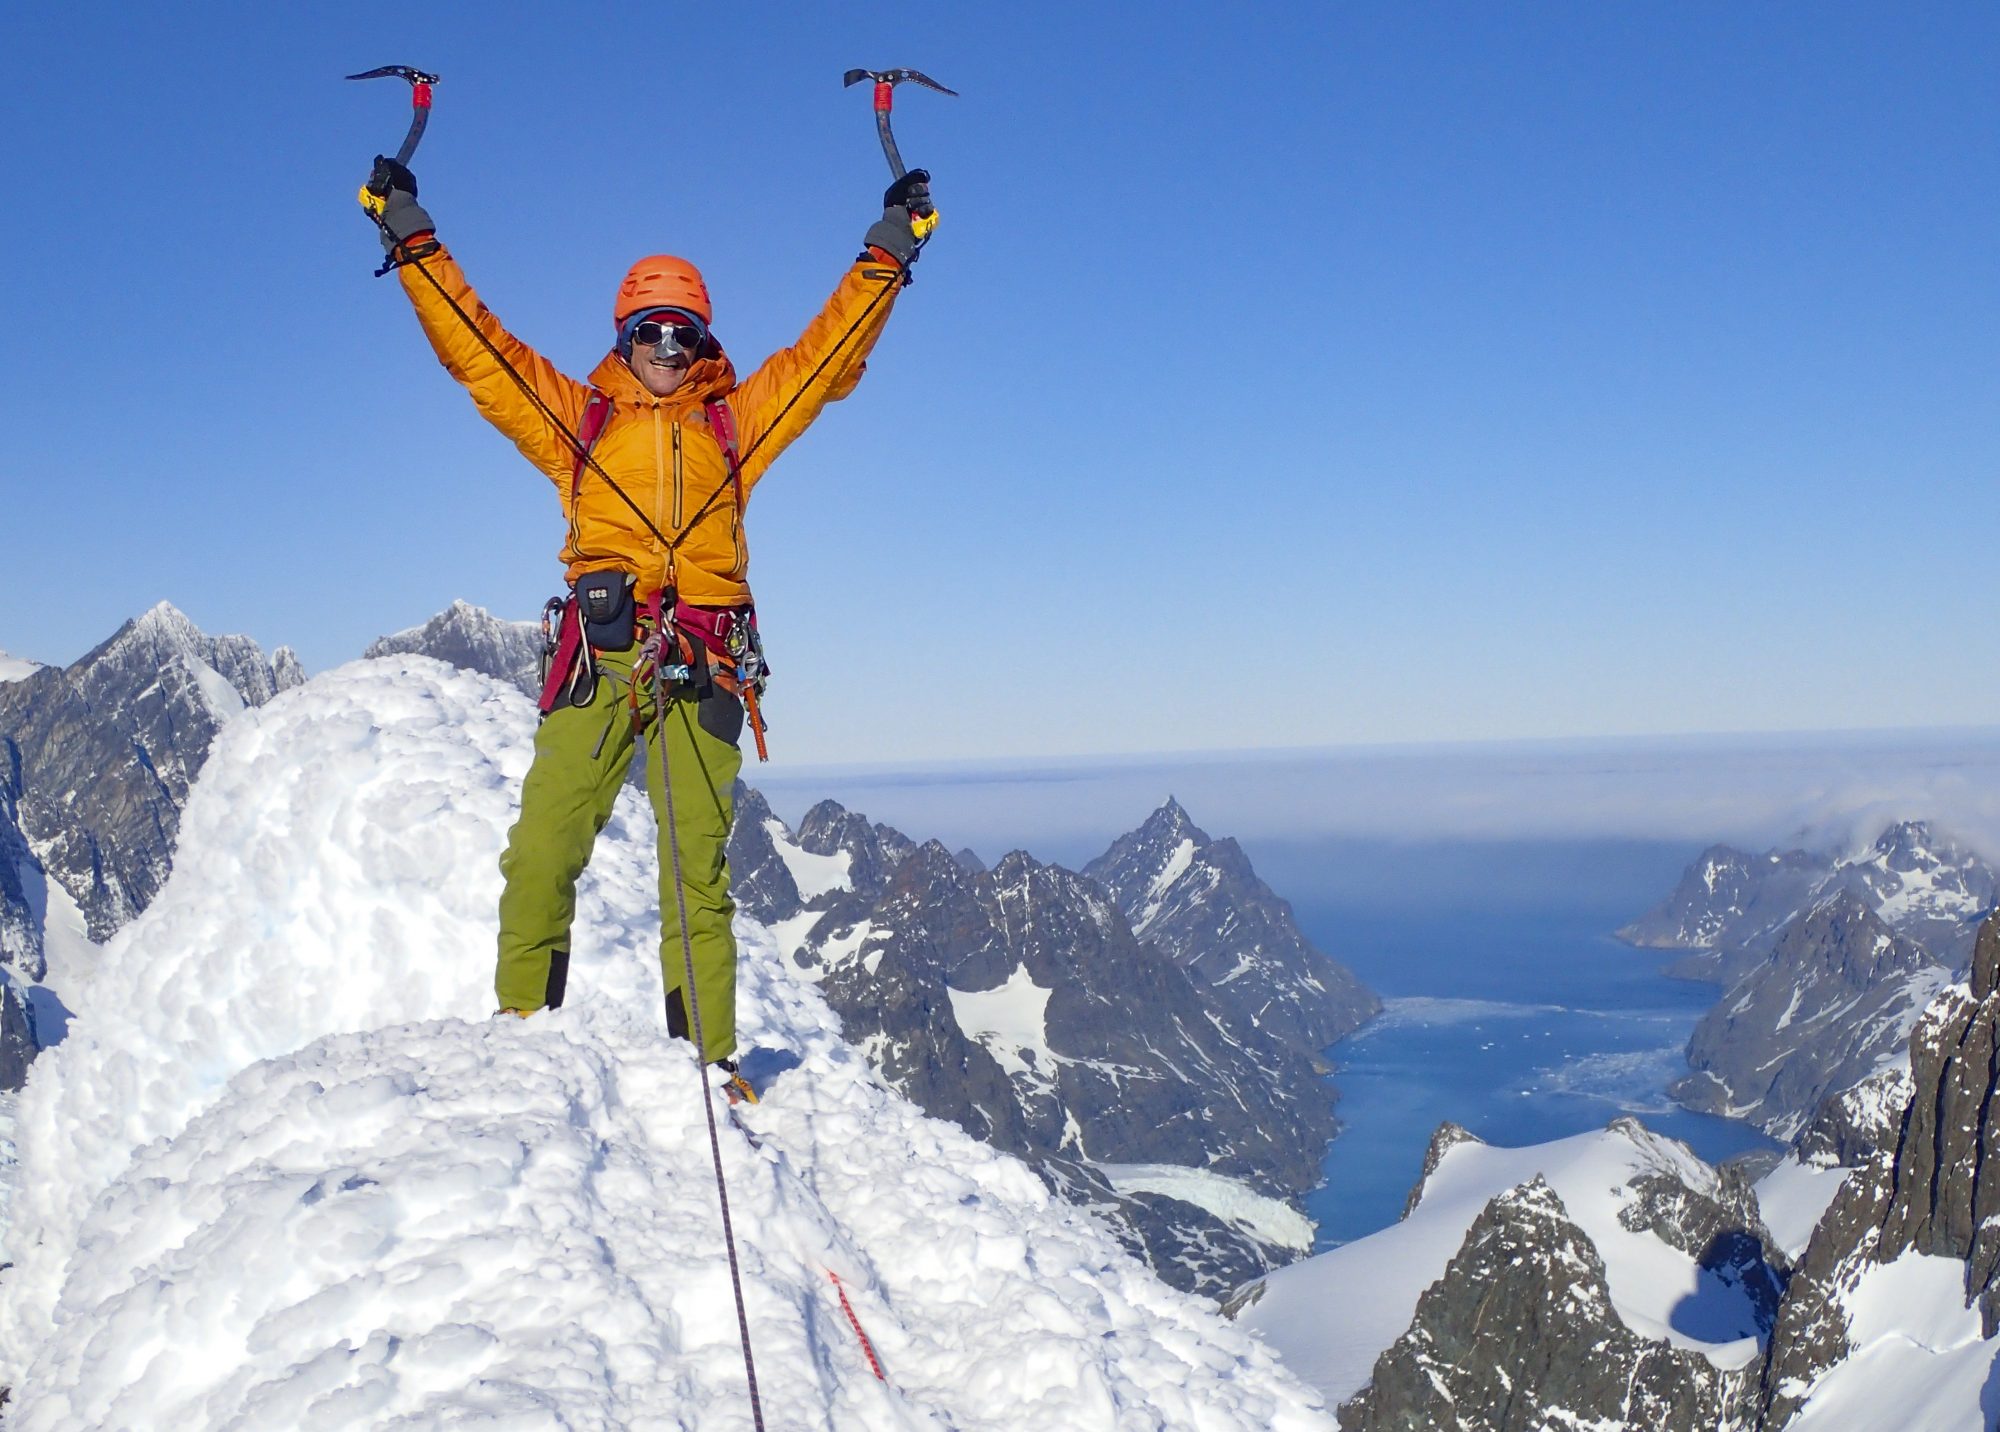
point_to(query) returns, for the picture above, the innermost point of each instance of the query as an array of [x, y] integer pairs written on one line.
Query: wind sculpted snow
[[286, 1172]]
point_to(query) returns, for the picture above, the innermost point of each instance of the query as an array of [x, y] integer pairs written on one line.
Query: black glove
[[912, 192], [909, 198], [401, 216]]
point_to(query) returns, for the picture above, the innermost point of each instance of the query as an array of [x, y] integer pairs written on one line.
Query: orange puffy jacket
[[658, 450]]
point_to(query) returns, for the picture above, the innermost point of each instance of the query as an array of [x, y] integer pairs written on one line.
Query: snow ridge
[[285, 1172]]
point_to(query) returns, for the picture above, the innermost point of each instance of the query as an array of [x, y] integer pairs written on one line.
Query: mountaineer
[[654, 460]]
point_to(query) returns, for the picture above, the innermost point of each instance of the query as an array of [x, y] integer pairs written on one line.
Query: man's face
[[658, 366], [661, 364]]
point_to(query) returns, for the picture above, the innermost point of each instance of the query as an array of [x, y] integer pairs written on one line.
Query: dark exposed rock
[[1446, 1137], [1724, 1234], [23, 900], [759, 879], [1199, 900], [474, 639], [1852, 1126], [873, 851], [1188, 1246], [1016, 1003], [1832, 1002], [17, 1037], [1134, 1065], [1936, 1191], [1519, 1335]]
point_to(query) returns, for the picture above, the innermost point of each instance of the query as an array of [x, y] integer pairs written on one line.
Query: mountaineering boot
[[735, 1087]]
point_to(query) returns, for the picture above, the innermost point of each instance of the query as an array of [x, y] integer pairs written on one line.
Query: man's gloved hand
[[912, 192], [906, 216], [391, 196]]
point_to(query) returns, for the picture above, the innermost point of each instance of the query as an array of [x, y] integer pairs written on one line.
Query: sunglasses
[[683, 337]]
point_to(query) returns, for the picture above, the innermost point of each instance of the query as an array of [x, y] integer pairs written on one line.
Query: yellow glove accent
[[374, 203], [922, 226]]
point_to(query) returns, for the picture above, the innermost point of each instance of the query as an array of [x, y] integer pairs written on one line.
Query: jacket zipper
[[659, 468], [677, 476], [736, 536]]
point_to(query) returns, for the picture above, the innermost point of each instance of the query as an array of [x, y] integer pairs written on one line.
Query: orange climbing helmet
[[663, 281]]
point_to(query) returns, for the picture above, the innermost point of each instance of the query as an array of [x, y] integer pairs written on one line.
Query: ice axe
[[885, 93], [376, 191]]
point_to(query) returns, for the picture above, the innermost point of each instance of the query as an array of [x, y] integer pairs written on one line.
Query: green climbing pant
[[581, 757]]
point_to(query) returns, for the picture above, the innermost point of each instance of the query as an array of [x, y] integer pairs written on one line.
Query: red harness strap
[[596, 413], [569, 641], [722, 423]]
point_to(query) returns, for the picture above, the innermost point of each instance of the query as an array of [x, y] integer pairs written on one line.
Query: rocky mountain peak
[[1909, 845], [1558, 1356], [874, 851], [1927, 885], [1171, 822], [933, 866], [1200, 901], [1728, 899], [472, 638], [162, 623], [286, 668]]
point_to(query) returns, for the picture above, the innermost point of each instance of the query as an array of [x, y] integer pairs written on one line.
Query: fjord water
[[1509, 1008]]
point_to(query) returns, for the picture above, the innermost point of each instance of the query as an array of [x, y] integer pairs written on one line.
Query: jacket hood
[[707, 379]]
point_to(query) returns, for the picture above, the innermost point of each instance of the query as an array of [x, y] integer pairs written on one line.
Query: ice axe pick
[[885, 96], [376, 191]]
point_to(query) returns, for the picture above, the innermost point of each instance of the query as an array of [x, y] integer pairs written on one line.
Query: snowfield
[[1917, 1359], [1793, 1197], [286, 1172], [1332, 1315]]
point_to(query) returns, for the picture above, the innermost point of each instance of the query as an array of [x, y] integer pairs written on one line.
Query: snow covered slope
[[286, 1172], [1917, 1359], [1331, 1316], [13, 668]]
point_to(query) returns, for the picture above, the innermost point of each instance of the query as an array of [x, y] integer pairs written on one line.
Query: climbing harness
[[600, 613]]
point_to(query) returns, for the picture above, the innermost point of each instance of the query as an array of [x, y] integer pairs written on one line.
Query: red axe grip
[[420, 96], [883, 96]]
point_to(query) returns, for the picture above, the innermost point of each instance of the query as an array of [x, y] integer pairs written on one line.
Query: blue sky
[[1280, 376]]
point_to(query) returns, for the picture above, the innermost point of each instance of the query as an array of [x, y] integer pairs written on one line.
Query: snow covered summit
[[285, 1171]]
